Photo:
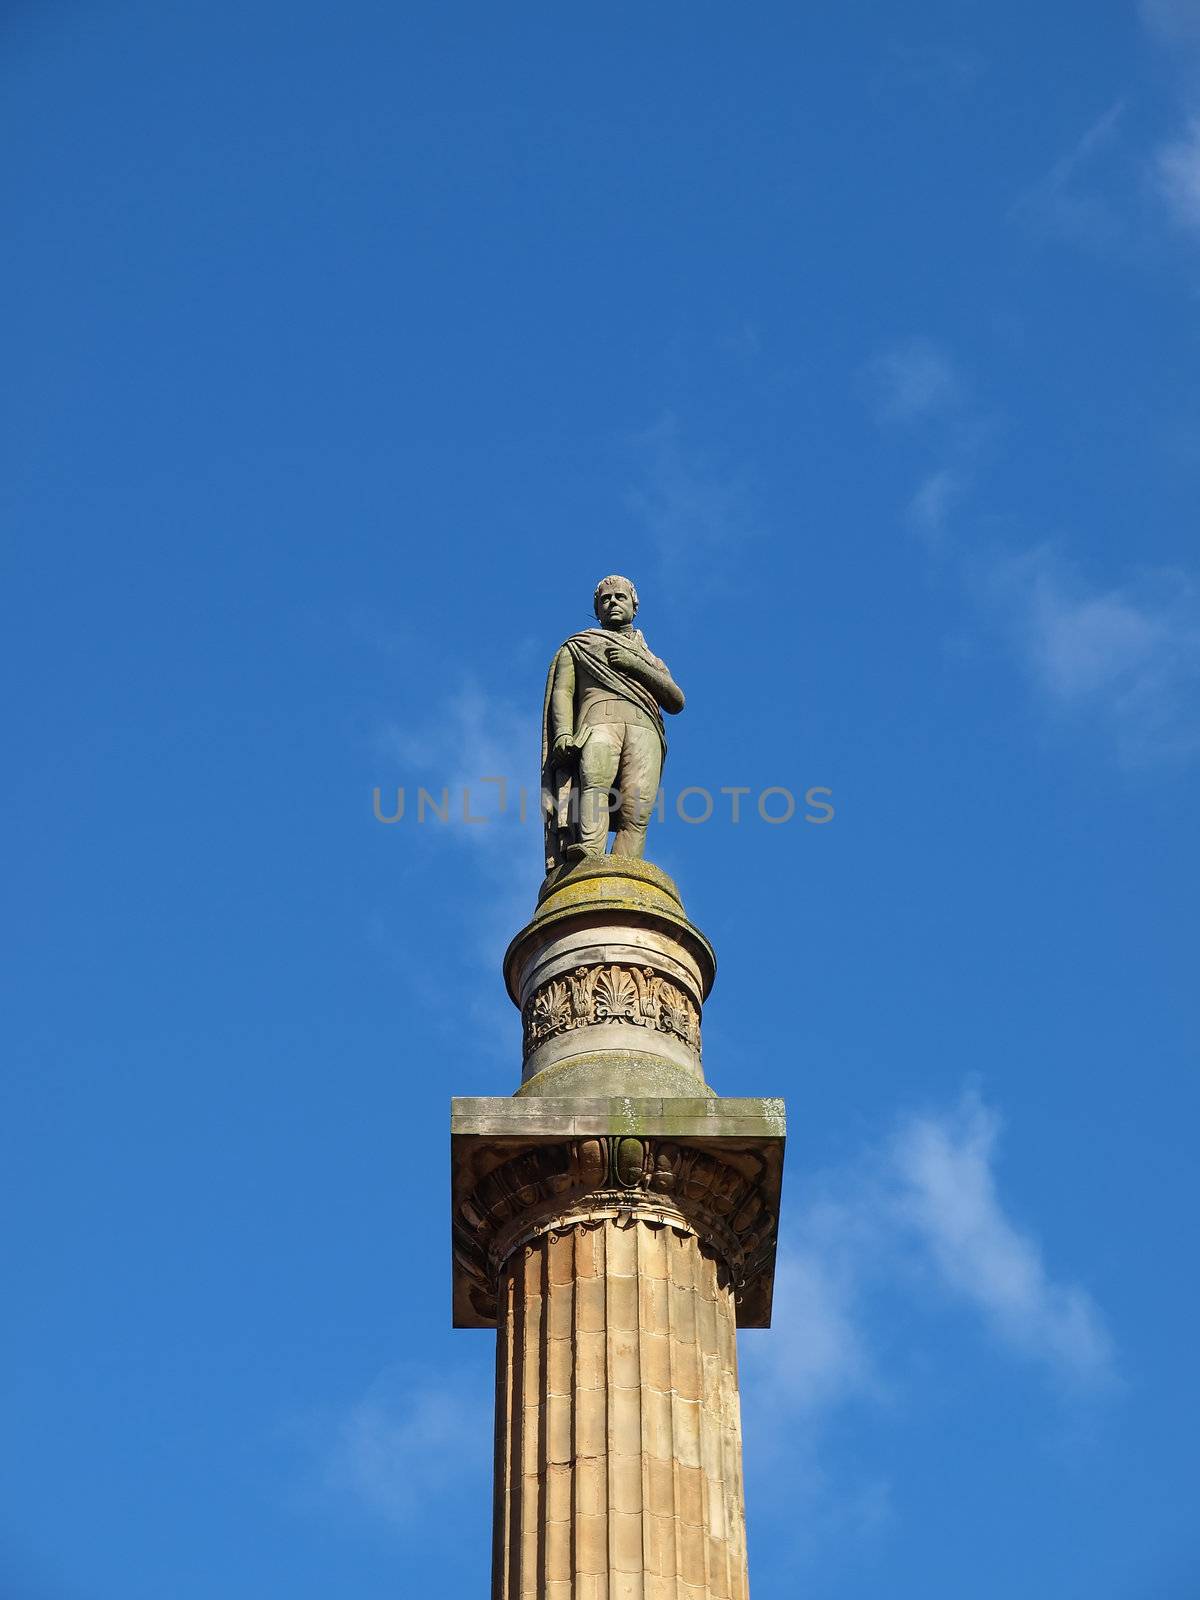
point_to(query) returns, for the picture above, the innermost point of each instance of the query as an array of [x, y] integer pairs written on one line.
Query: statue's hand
[[565, 746], [622, 658]]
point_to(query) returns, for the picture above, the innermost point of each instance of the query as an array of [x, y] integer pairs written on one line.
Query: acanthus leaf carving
[[551, 1007], [611, 992], [616, 996]]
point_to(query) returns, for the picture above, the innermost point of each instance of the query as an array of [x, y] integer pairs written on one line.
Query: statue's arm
[[562, 699], [670, 695], [653, 673]]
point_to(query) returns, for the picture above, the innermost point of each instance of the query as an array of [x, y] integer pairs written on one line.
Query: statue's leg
[[598, 762], [637, 779]]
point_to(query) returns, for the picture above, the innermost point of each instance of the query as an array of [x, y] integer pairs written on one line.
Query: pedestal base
[[610, 978]]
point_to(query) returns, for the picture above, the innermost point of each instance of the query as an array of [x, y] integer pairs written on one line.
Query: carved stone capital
[[727, 1198]]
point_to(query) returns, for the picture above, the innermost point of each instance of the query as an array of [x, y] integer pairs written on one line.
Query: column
[[618, 1436]]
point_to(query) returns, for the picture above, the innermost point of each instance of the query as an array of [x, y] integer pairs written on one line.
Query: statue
[[603, 741]]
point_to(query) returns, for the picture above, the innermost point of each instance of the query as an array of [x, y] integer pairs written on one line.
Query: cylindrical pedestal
[[618, 1434], [610, 977]]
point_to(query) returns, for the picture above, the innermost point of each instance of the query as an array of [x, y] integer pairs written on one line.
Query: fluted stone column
[[615, 1221], [618, 1437]]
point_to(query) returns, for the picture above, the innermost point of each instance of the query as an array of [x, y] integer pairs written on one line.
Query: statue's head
[[615, 601]]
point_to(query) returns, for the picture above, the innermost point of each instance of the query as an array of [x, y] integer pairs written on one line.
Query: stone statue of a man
[[603, 742]]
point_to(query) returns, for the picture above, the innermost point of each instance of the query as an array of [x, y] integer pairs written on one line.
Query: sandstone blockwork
[[618, 1434]]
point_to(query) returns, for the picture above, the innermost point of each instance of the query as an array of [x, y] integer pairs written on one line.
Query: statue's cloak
[[559, 776]]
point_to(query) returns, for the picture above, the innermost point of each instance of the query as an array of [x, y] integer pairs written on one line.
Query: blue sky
[[346, 347]]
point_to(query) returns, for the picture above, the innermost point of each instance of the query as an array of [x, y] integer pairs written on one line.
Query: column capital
[[524, 1167]]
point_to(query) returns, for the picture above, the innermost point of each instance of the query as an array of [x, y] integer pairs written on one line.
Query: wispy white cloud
[[918, 1216], [1175, 21], [1177, 176], [941, 69], [1067, 202], [1091, 200], [1125, 657], [744, 342], [413, 1439], [698, 518], [825, 1359], [914, 379], [923, 1204], [946, 1193], [1128, 656], [822, 1517], [1174, 167], [930, 507], [464, 737], [919, 380], [478, 755]]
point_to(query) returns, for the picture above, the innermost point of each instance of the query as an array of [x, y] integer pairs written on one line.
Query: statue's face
[[615, 607]]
